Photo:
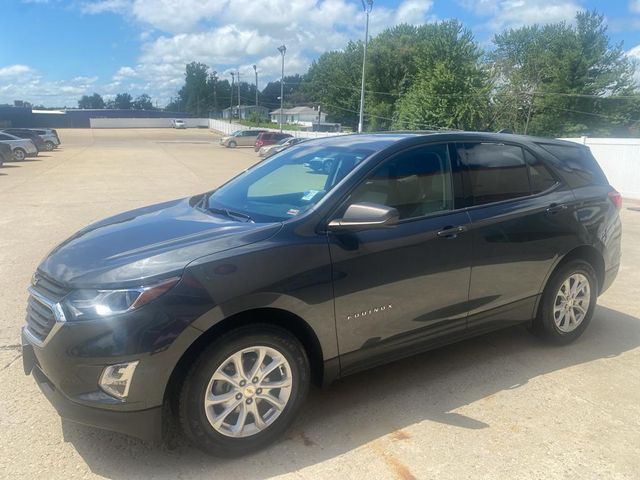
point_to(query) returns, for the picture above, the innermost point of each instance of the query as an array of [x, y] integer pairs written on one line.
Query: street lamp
[[282, 49], [255, 69], [367, 5], [231, 104]]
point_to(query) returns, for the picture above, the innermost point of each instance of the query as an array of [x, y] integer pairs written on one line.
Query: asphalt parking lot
[[500, 406]]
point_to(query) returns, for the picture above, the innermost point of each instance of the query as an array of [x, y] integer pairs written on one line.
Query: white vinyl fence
[[620, 160], [223, 126], [145, 122]]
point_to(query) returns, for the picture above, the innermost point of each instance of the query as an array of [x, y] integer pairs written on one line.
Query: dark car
[[6, 154], [269, 138], [28, 134], [225, 306], [49, 136]]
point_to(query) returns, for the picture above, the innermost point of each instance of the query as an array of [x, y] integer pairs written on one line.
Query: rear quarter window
[[581, 166]]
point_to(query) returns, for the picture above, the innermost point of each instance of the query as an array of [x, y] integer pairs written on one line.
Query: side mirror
[[365, 215]]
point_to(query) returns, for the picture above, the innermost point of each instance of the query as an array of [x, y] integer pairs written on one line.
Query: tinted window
[[416, 182], [540, 177], [579, 160], [495, 172], [4, 137]]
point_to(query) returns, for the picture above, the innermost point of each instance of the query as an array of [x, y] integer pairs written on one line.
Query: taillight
[[616, 199]]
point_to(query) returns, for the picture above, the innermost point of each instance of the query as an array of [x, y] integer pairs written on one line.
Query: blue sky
[[54, 51]]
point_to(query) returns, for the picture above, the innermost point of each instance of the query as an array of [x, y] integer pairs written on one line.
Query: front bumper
[[144, 424]]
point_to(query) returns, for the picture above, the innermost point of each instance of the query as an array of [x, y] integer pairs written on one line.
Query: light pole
[[238, 74], [231, 94], [367, 5], [282, 49], [255, 69]]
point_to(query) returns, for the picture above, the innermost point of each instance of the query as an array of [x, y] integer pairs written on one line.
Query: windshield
[[283, 141], [288, 184]]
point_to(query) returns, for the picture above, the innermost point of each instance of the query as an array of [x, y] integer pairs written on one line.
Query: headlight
[[92, 304]]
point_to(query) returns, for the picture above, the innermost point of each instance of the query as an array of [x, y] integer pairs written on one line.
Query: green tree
[[561, 79], [142, 102], [452, 85], [123, 101], [94, 101]]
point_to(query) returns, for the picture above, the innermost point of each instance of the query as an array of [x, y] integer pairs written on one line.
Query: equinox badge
[[371, 311]]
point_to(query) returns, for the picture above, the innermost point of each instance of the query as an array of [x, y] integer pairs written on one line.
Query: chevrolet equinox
[[220, 310]]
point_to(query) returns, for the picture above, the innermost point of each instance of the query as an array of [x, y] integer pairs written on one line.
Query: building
[[305, 116], [247, 112]]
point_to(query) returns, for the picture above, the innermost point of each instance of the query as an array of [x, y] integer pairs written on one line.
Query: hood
[[134, 247]]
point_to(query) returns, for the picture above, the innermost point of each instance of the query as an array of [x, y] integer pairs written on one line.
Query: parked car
[[241, 138], [21, 147], [283, 144], [50, 137], [224, 307], [28, 134], [6, 155], [269, 138], [178, 124]]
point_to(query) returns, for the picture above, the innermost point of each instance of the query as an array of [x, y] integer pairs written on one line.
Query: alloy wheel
[[248, 391], [572, 302]]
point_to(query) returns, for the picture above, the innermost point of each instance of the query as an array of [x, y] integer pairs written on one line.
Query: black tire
[[232, 144], [191, 410], [544, 324], [19, 154], [49, 146]]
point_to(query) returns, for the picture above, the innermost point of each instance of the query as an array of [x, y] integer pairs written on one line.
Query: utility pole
[[319, 116], [214, 78], [255, 69], [367, 5], [231, 94], [282, 49]]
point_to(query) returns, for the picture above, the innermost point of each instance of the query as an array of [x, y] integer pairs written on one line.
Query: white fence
[[145, 122], [226, 128], [620, 160]]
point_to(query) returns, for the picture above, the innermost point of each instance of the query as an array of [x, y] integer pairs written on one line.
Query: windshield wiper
[[231, 214]]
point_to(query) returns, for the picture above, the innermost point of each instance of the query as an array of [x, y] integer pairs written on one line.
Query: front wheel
[[49, 146], [233, 144], [244, 390], [19, 154], [568, 303]]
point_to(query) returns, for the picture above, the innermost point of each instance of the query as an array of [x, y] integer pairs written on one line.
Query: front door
[[400, 288]]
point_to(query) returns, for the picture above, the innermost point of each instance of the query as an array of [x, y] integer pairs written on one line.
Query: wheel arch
[[284, 319]]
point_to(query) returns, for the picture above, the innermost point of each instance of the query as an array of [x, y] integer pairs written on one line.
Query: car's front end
[[110, 312]]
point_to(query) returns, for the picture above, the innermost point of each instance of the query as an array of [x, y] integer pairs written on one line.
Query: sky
[[55, 51]]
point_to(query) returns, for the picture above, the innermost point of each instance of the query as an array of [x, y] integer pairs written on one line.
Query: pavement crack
[[13, 347], [11, 362]]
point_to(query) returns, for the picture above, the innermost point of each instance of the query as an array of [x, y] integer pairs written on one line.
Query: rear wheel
[[19, 154], [49, 145], [244, 390], [568, 303]]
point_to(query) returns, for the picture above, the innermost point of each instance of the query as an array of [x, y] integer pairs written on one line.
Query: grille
[[40, 317]]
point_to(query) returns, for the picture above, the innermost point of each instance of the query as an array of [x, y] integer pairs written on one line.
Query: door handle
[[555, 208], [451, 232]]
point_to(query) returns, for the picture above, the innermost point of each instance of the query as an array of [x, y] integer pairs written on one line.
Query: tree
[[122, 101], [452, 85], [560, 79], [142, 102], [94, 101]]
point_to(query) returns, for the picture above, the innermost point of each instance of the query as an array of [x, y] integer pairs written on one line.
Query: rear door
[[401, 288], [521, 219]]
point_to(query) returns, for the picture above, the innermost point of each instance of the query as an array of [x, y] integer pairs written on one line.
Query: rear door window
[[494, 172], [539, 175]]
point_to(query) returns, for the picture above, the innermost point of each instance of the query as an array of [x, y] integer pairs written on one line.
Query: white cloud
[[634, 6], [517, 13], [14, 71], [230, 34]]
